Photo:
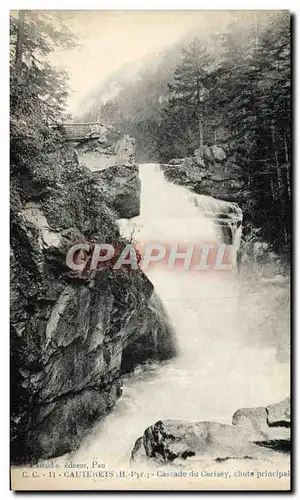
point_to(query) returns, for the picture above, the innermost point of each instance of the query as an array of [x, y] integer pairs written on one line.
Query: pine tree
[[38, 91], [189, 88], [252, 89]]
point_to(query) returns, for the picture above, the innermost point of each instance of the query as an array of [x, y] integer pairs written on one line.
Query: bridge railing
[[83, 130]]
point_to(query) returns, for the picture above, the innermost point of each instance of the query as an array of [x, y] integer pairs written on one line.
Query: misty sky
[[110, 39]]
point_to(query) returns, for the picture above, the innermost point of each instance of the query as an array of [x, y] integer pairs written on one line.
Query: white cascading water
[[222, 364]]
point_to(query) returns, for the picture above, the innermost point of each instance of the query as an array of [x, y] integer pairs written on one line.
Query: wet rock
[[61, 428], [250, 437], [170, 440], [125, 189], [154, 337]]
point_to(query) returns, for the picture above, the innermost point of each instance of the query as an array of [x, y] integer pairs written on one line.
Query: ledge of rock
[[112, 163], [214, 175], [69, 329], [124, 185], [98, 154], [251, 436]]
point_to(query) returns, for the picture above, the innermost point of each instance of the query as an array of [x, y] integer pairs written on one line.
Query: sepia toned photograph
[[150, 250]]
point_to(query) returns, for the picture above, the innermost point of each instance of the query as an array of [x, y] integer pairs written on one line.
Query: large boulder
[[110, 151], [115, 171], [124, 185], [222, 182], [267, 424], [218, 153], [212, 175], [250, 437], [177, 161], [187, 171], [279, 414]]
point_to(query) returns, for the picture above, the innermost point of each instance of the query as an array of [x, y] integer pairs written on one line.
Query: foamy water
[[229, 354]]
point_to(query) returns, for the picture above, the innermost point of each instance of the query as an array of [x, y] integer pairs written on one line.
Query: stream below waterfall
[[230, 353]]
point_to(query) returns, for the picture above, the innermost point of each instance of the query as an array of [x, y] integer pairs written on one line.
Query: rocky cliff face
[[69, 330], [113, 164], [125, 188], [213, 175], [256, 433]]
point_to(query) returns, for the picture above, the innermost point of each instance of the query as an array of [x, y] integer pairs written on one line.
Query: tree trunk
[[20, 41], [200, 125], [288, 181], [273, 135], [280, 182], [200, 134], [215, 136], [286, 151], [287, 165]]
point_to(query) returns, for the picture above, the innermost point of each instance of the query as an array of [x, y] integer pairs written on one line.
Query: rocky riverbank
[[215, 174], [256, 433]]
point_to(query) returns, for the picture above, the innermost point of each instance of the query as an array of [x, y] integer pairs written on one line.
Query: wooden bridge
[[84, 131]]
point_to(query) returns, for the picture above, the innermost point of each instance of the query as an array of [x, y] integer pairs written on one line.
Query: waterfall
[[222, 363], [226, 214]]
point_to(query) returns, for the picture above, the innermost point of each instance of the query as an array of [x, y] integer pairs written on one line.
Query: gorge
[[150, 237], [170, 335]]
